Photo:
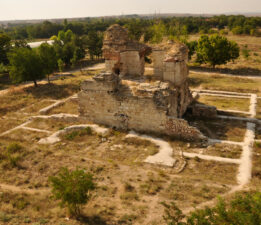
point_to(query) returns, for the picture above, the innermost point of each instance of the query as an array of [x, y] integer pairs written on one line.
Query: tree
[[216, 50], [68, 47], [25, 65], [94, 43], [48, 57], [5, 45], [72, 188], [21, 44], [192, 45], [244, 209]]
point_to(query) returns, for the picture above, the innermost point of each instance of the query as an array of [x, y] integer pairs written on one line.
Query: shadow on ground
[[216, 128], [52, 90], [93, 220], [5, 81]]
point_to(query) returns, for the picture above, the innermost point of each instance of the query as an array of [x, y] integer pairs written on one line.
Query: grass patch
[[72, 135], [258, 109], [224, 83], [69, 107], [221, 129], [222, 103]]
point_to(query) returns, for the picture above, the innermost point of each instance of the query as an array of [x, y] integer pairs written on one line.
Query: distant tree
[[158, 31], [3, 68], [60, 65], [68, 47], [94, 42], [192, 46], [25, 65], [72, 188], [21, 44], [245, 52], [5, 45], [48, 57], [237, 30], [216, 50], [135, 29]]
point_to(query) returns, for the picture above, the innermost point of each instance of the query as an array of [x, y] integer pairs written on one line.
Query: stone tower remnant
[[121, 97]]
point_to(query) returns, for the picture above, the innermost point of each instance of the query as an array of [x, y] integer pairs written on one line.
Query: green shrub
[[72, 188], [3, 68], [245, 52], [13, 148], [243, 209], [13, 160], [70, 136]]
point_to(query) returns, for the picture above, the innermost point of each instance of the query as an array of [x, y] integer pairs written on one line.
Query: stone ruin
[[123, 98]]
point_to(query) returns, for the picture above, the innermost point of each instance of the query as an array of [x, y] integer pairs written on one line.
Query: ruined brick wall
[[158, 57], [106, 101], [131, 63], [122, 98], [170, 63], [122, 55]]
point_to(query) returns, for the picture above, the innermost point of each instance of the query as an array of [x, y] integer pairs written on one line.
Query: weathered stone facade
[[122, 55], [121, 98]]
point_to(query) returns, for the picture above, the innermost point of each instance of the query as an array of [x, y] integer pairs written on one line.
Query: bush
[[246, 52], [72, 188], [13, 148], [3, 68], [216, 50], [243, 209], [11, 156]]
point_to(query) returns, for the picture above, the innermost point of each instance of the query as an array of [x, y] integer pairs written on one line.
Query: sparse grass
[[79, 133], [129, 191], [225, 83], [258, 109], [243, 65], [50, 124], [256, 172], [223, 103], [221, 129], [211, 171], [152, 185], [221, 150], [70, 107]]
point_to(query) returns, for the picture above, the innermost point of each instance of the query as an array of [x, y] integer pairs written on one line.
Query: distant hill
[[161, 15]]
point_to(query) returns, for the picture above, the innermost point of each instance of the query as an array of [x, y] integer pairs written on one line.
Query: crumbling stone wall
[[170, 63], [129, 102], [158, 57], [144, 108], [122, 55]]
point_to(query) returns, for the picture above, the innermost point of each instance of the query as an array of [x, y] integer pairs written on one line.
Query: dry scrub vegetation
[[128, 190]]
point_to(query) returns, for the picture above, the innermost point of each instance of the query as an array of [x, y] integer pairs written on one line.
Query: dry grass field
[[128, 191], [250, 65]]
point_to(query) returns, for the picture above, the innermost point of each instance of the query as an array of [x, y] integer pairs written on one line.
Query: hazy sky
[[43, 9]]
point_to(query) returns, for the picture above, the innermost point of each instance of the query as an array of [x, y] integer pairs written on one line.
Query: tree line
[[26, 64], [141, 26]]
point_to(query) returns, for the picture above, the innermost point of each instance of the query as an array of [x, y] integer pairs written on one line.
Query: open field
[[225, 83], [128, 191], [245, 66]]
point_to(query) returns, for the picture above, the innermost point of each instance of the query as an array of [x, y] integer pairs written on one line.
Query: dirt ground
[[116, 162]]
